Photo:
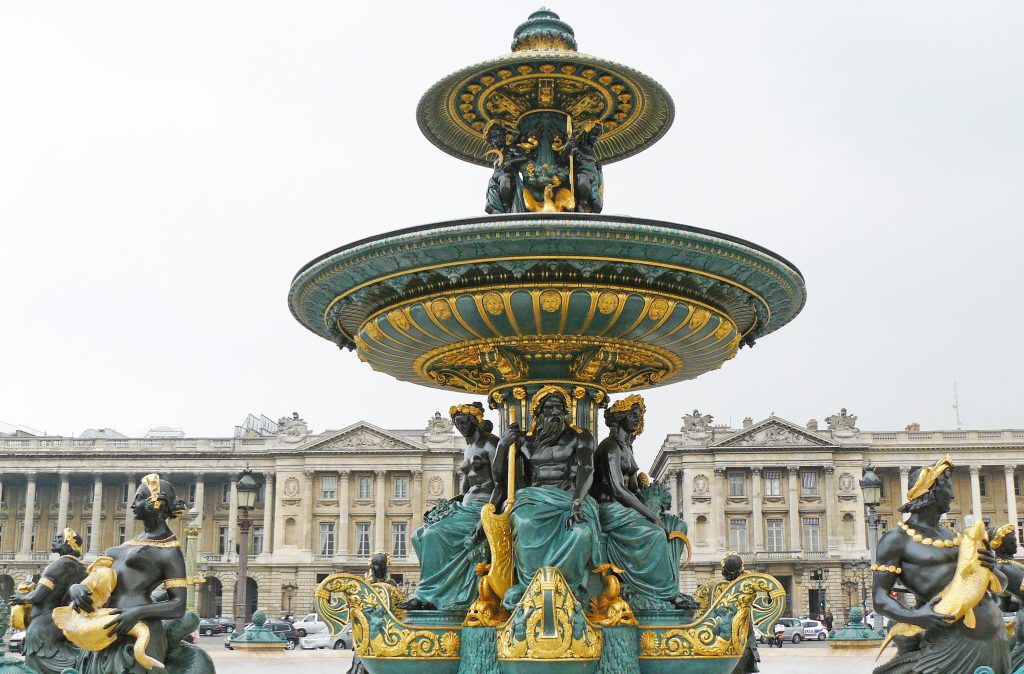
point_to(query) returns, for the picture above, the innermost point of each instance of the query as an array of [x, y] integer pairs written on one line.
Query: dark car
[[280, 628], [210, 626], [16, 644]]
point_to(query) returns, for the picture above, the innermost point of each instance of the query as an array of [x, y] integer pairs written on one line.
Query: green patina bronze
[[550, 314], [855, 633], [257, 635]]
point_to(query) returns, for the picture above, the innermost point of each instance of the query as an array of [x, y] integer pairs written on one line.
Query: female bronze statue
[[47, 651], [450, 547], [925, 556], [637, 537], [1004, 544], [141, 565]]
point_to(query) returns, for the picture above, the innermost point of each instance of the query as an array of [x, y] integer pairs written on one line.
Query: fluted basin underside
[[611, 302]]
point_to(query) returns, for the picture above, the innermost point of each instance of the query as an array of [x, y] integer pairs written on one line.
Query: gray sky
[[165, 168]]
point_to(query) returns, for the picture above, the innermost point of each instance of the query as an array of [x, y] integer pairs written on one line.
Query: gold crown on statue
[[928, 476]]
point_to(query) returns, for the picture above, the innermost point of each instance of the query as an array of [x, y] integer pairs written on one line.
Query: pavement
[[806, 658]]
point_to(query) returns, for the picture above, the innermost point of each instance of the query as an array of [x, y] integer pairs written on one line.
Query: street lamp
[[247, 489], [288, 589], [862, 567], [819, 575], [871, 487]]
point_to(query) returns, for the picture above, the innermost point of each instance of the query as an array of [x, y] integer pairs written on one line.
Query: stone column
[[904, 487], [229, 550], [1011, 498], [1, 490], [380, 503], [268, 513], [63, 500], [975, 492], [416, 498], [343, 497], [97, 511], [129, 516], [30, 514], [831, 512], [681, 491], [859, 523], [755, 501], [719, 523], [198, 505], [673, 488], [793, 499], [308, 499]]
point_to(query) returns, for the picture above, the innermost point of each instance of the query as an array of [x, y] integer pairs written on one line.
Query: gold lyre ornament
[[928, 476]]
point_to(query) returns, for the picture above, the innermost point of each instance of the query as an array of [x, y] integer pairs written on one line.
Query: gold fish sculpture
[[965, 591], [21, 613], [89, 630]]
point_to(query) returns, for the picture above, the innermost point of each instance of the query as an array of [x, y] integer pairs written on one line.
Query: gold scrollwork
[[549, 624]]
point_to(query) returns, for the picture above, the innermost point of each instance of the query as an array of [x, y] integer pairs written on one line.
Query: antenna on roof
[[956, 406]]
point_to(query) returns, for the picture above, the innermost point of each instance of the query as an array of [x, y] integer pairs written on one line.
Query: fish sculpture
[[965, 591]]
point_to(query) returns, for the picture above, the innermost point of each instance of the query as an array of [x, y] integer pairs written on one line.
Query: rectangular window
[[222, 540], [1020, 526], [773, 483], [881, 489], [775, 536], [257, 539], [1, 535], [329, 487], [88, 536], [738, 534], [192, 493], [812, 534], [125, 488], [401, 487], [983, 485], [1016, 484], [737, 484], [225, 493], [365, 487], [363, 539], [809, 481], [261, 492], [326, 538], [90, 494], [121, 531], [398, 543]]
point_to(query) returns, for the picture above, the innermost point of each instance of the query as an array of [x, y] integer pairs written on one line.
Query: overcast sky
[[165, 169]]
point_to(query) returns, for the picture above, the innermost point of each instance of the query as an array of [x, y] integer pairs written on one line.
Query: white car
[[337, 642], [311, 624], [814, 629]]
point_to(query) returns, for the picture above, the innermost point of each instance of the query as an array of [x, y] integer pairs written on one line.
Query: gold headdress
[[471, 410], [539, 397], [71, 540], [1001, 533], [626, 404], [152, 482], [927, 477]]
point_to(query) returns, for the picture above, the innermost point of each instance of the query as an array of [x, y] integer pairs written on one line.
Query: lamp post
[[862, 567], [871, 486], [819, 575], [288, 588], [247, 488], [850, 584], [192, 531]]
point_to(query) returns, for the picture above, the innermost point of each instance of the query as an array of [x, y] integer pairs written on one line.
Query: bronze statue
[[587, 176], [1004, 544], [450, 546], [505, 188], [377, 574], [138, 567], [956, 626], [554, 520], [636, 536], [47, 650]]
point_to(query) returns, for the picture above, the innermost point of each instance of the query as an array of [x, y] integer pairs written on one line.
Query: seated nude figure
[[554, 520]]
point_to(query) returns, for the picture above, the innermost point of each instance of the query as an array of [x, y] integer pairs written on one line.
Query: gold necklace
[[937, 542], [168, 542]]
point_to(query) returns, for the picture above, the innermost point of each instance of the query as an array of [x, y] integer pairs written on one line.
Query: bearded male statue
[[554, 521]]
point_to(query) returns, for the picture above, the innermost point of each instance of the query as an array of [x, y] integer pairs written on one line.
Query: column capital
[[904, 471], [974, 470], [793, 469], [830, 469], [308, 473], [380, 474], [417, 473], [198, 476], [268, 478], [1009, 468], [671, 474], [343, 475], [719, 471], [97, 478], [64, 475], [756, 470], [30, 475]]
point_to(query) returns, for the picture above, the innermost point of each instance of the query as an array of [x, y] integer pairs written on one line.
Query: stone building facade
[[327, 501], [787, 496]]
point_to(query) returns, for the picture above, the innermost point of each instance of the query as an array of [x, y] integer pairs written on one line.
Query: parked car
[[16, 644], [210, 626], [280, 627], [813, 629], [794, 631], [311, 624], [338, 642]]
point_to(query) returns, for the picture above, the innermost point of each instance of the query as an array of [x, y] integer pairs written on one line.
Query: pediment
[[774, 432], [364, 436]]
